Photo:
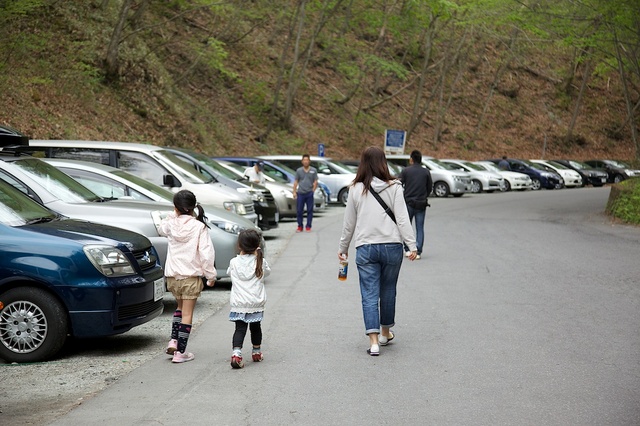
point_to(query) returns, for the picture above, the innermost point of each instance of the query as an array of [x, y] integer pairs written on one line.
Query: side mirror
[[325, 171], [170, 181]]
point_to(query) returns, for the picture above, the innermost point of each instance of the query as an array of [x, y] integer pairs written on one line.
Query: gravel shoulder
[[38, 393]]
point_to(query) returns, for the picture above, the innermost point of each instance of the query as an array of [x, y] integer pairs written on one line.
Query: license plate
[[158, 289], [277, 216], [604, 180]]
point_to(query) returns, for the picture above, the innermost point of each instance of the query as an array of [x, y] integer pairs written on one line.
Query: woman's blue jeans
[[378, 269]]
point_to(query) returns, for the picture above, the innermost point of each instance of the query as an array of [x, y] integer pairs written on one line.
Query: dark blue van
[[540, 177], [61, 277]]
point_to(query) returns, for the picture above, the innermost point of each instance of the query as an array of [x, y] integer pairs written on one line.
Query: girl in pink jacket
[[190, 256]]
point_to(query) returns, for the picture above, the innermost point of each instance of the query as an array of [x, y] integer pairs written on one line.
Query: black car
[[617, 170], [590, 175], [540, 177], [263, 201]]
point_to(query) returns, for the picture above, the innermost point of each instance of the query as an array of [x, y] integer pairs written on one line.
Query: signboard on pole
[[320, 150], [394, 141]]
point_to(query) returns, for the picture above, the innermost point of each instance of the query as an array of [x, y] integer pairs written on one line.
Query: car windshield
[[578, 165], [339, 167], [63, 186], [557, 165], [472, 166], [489, 166], [143, 183], [536, 166], [619, 164], [17, 209], [437, 164], [183, 168]]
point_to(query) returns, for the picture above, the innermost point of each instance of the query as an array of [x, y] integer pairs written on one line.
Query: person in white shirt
[[255, 173]]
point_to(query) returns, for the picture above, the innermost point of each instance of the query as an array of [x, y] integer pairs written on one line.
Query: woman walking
[[379, 232], [190, 257]]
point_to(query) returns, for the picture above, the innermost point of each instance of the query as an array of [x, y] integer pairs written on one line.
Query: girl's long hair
[[185, 202], [249, 242], [373, 163]]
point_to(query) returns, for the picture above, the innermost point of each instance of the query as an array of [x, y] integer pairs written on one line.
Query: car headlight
[[287, 193], [458, 179], [108, 260], [230, 227], [255, 195], [237, 208]]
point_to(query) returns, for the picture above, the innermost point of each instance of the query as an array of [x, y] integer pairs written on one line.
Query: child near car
[[248, 295], [190, 256]]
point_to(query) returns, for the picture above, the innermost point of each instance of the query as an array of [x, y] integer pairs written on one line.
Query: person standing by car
[[417, 187], [503, 164], [379, 233], [255, 173], [190, 256], [304, 186]]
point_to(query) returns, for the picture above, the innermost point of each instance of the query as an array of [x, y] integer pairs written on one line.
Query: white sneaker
[[417, 256]]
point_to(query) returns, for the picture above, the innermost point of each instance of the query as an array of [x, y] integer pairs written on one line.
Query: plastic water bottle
[[343, 267]]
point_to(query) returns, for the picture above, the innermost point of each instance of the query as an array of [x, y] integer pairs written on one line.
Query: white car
[[153, 163], [109, 182], [570, 176], [481, 179], [512, 180], [335, 175]]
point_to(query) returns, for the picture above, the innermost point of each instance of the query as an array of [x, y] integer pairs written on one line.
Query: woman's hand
[[343, 256], [413, 255], [211, 283]]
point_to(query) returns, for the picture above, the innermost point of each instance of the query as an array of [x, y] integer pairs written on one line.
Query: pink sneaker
[[182, 357], [172, 347], [308, 229], [236, 362], [257, 356], [299, 229]]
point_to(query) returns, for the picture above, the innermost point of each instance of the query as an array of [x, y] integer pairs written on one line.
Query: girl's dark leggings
[[241, 331]]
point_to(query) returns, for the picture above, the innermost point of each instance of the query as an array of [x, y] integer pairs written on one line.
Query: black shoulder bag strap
[[384, 205]]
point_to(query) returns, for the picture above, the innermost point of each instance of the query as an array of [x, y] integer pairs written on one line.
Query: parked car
[[153, 163], [571, 177], [512, 180], [62, 194], [540, 177], [591, 176], [61, 277], [109, 182], [278, 171], [445, 181], [337, 177], [481, 179], [394, 169], [617, 171], [263, 200]]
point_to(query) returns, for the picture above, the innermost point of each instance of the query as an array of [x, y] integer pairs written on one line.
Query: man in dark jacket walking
[[417, 187]]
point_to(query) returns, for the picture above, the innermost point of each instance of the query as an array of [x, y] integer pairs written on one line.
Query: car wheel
[[535, 184], [441, 189], [476, 186], [507, 186], [343, 195], [618, 178], [33, 325]]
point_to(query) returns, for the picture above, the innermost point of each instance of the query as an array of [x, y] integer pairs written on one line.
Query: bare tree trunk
[[416, 115], [627, 98], [111, 60], [576, 109], [494, 83]]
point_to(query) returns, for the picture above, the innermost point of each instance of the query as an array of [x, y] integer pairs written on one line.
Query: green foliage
[[10, 9], [624, 201], [213, 55]]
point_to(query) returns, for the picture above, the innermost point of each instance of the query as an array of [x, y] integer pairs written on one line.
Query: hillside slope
[[54, 87]]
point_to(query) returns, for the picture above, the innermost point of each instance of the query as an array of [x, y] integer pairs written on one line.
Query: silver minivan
[[153, 163], [335, 175]]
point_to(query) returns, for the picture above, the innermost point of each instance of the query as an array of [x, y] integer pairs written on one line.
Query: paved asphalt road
[[525, 310]]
